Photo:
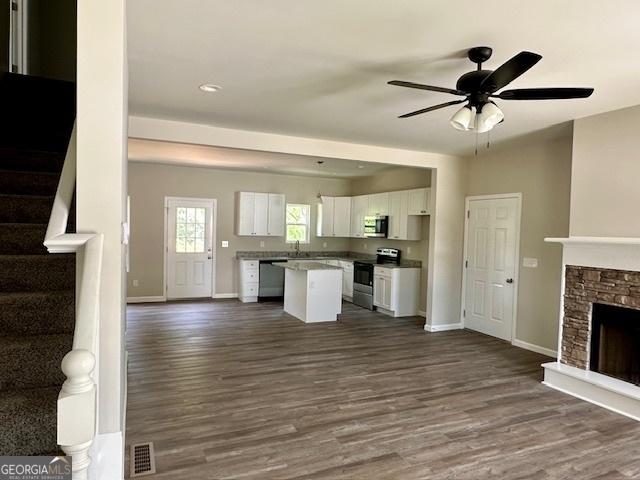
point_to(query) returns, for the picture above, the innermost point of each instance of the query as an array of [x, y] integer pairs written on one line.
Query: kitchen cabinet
[[359, 209], [249, 280], [420, 201], [378, 204], [334, 217], [396, 291], [347, 280], [260, 214], [402, 226]]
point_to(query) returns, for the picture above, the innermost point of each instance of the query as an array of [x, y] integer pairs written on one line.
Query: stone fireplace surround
[[595, 270], [585, 286]]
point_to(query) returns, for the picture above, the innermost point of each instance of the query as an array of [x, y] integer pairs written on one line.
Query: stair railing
[[77, 401]]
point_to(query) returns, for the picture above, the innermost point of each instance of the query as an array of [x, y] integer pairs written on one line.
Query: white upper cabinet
[[334, 217], [420, 201], [402, 226], [275, 222], [359, 210], [378, 204], [260, 214], [342, 217]]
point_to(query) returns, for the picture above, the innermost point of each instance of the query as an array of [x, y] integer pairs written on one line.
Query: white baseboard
[[225, 295], [150, 299], [422, 314], [107, 457], [443, 328], [535, 348]]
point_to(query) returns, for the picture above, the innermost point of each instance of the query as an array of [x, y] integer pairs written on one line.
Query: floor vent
[[142, 459]]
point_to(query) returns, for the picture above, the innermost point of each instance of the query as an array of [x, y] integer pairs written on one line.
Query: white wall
[[605, 191], [101, 186], [448, 188]]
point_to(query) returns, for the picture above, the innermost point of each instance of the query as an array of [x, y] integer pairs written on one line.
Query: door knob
[[509, 280]]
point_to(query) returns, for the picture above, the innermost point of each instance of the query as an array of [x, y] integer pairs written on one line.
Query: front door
[[491, 246], [190, 256]]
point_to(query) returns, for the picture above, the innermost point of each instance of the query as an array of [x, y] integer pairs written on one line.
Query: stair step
[[33, 361], [28, 418], [32, 273], [37, 313], [25, 160], [28, 183], [25, 208], [22, 238]]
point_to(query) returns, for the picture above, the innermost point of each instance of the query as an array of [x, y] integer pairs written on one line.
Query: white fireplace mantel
[[616, 253]]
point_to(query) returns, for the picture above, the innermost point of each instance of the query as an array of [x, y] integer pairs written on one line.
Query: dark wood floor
[[243, 391]]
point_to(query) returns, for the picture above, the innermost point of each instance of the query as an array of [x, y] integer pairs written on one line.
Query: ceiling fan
[[480, 113]]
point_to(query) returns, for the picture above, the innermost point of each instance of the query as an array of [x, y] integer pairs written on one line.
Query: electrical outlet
[[365, 246], [261, 243], [225, 243], [530, 262], [136, 283], [408, 250], [324, 244]]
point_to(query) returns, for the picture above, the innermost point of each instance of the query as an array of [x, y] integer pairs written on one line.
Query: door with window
[[491, 242], [190, 255]]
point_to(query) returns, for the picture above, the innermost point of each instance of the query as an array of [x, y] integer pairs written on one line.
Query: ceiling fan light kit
[[481, 114]]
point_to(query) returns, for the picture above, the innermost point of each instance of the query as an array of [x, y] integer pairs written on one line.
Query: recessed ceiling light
[[210, 87]]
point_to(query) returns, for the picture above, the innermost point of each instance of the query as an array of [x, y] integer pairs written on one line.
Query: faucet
[[297, 248]]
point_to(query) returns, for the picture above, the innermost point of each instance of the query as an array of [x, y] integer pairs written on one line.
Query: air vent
[[142, 459]]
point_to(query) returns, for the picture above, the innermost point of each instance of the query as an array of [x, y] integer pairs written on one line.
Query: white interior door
[[190, 255], [491, 246]]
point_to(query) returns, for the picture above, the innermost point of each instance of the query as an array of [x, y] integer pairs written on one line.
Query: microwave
[[376, 226]]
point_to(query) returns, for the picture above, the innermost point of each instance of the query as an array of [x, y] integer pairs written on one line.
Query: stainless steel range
[[363, 275]]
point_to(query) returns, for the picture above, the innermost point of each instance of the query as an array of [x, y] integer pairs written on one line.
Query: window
[[190, 225], [298, 221]]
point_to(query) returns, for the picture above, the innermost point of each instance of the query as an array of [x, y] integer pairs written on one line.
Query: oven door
[[362, 275]]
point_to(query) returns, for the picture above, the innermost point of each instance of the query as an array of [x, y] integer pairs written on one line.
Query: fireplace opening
[[615, 342]]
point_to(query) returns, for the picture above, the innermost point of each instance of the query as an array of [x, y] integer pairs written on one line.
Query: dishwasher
[[271, 280]]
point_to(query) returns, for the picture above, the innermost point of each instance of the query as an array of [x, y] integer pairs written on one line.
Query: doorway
[[491, 258], [190, 236]]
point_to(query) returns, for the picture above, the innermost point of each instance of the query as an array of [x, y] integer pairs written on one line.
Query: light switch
[[225, 244], [136, 283], [530, 262]]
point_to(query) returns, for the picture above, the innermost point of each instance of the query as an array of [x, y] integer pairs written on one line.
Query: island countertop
[[305, 266]]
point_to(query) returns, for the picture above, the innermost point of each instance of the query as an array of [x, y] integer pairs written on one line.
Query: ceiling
[[319, 69], [235, 159]]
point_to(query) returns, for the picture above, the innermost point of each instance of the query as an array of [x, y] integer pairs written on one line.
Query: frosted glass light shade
[[464, 119]]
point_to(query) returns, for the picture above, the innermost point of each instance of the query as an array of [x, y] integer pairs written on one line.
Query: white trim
[[595, 240], [225, 295], [607, 392], [516, 272], [214, 242], [534, 348], [443, 328], [149, 299], [107, 454], [422, 313]]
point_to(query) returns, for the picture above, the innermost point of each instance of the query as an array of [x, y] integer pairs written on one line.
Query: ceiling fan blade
[[430, 109], [510, 70], [544, 93], [419, 86]]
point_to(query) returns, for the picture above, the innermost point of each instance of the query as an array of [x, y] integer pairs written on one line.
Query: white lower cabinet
[[396, 291], [249, 279], [347, 280]]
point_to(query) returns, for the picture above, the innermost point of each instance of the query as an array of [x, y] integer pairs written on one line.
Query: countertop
[[305, 266], [315, 256]]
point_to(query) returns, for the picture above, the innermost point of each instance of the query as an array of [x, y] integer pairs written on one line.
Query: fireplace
[[615, 342]]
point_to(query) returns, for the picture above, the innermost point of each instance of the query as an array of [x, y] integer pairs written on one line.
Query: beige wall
[[389, 181], [606, 167], [541, 171], [150, 183]]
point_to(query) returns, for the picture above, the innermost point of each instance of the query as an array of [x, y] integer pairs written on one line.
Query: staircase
[[37, 289]]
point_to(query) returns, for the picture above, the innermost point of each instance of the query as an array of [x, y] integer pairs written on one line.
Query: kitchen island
[[312, 290]]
